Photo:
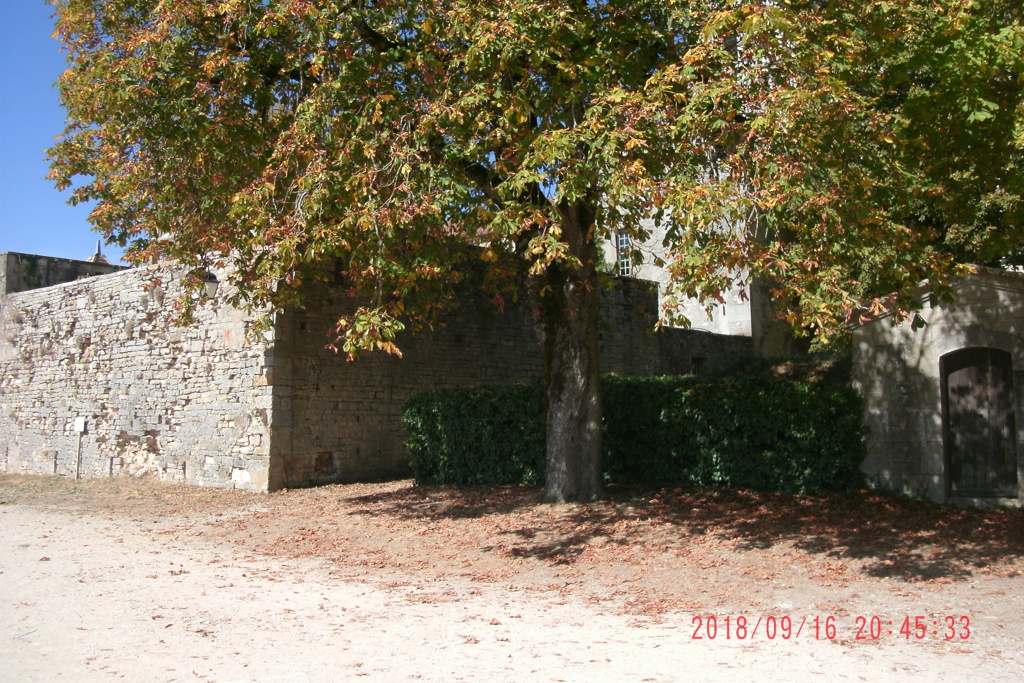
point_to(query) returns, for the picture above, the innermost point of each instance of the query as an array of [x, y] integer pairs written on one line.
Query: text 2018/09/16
[[874, 627]]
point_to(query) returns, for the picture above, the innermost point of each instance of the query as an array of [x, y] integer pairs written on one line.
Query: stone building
[[97, 380], [745, 312], [632, 258], [944, 403]]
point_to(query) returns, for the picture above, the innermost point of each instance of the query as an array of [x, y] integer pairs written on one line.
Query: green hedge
[[486, 435], [758, 432], [750, 430]]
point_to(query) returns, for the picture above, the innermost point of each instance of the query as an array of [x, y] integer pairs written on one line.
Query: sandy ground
[[166, 584]]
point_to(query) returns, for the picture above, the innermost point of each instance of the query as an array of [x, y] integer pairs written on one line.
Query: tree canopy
[[843, 151]]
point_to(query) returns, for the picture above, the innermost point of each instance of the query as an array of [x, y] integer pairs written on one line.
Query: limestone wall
[[201, 404], [186, 404], [23, 272], [897, 370], [346, 415]]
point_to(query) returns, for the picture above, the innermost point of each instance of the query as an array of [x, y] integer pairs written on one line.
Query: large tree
[[825, 146]]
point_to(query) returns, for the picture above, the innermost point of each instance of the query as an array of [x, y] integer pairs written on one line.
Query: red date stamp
[[874, 627]]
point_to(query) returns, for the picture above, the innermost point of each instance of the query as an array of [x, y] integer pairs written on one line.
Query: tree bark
[[569, 317]]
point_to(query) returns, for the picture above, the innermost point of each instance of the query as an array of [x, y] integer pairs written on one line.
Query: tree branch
[[374, 38]]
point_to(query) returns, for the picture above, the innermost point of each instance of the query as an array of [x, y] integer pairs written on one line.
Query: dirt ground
[[135, 580]]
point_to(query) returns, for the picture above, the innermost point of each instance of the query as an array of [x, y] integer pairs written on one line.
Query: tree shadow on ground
[[883, 535]]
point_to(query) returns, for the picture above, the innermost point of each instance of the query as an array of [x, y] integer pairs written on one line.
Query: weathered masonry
[[22, 272], [944, 404], [98, 381]]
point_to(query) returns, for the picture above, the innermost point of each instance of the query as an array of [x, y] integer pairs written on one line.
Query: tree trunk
[[569, 316]]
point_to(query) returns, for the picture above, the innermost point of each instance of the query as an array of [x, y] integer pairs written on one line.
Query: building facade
[[944, 404]]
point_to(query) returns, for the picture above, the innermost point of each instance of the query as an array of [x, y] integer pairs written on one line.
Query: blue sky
[[34, 217]]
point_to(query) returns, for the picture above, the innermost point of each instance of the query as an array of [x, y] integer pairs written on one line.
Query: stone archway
[[978, 423]]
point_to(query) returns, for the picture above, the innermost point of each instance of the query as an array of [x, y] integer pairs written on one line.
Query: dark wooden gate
[[979, 430]]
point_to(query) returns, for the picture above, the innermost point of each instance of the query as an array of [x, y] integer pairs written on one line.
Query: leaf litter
[[641, 551]]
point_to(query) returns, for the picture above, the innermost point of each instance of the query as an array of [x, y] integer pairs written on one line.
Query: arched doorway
[[978, 424]]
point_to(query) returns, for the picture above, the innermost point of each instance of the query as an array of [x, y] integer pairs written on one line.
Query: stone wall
[[201, 404], [23, 272], [182, 403], [346, 415], [897, 370]]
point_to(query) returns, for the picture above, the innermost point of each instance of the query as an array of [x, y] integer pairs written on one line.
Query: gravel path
[[86, 598]]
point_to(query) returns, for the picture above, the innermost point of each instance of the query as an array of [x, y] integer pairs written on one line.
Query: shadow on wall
[[898, 396], [943, 403]]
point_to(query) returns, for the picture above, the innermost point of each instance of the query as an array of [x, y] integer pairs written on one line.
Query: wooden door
[[979, 430]]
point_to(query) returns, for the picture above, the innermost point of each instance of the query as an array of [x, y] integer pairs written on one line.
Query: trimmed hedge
[[763, 433], [757, 431], [485, 435]]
